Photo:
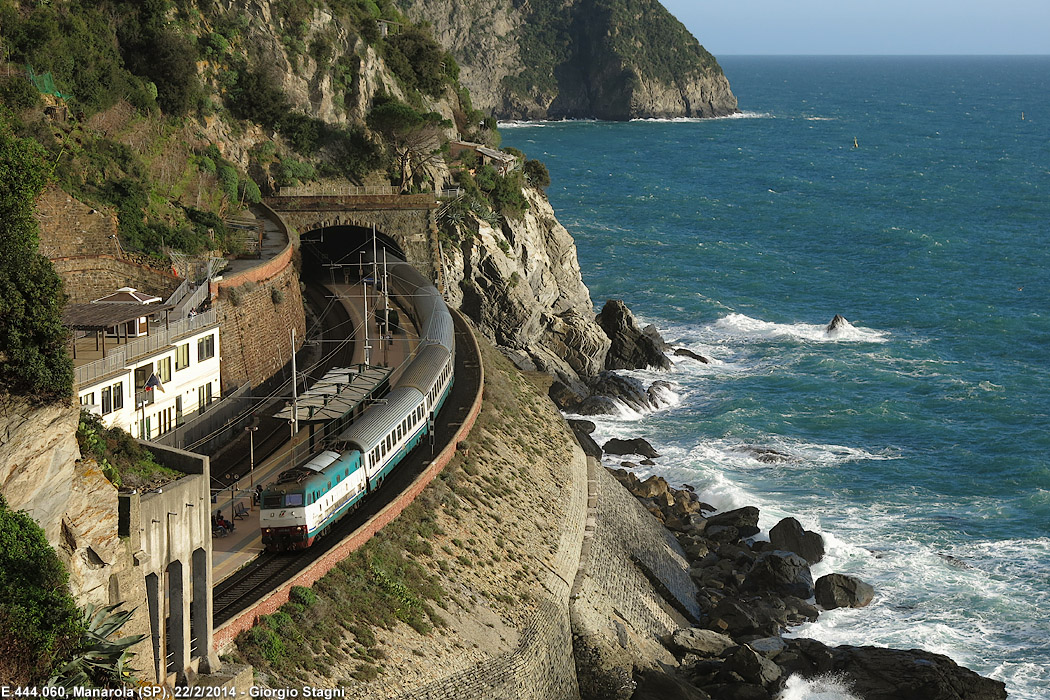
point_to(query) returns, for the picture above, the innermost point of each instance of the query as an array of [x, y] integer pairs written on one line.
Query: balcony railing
[[121, 356]]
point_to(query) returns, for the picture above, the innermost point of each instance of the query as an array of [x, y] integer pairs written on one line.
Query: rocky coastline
[[751, 591]]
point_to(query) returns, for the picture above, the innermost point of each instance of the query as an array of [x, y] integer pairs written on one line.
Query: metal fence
[[122, 356], [220, 423], [186, 298], [336, 191]]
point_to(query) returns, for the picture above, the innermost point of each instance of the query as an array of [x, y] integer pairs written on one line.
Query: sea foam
[[821, 688], [745, 327]]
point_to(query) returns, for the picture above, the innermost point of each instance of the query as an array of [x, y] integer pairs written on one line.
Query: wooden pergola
[[100, 317]]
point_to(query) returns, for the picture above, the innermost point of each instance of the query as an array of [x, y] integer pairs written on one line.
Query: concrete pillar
[[201, 612], [179, 618], [155, 629]]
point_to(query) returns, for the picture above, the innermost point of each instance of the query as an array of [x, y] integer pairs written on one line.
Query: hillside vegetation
[[176, 113]]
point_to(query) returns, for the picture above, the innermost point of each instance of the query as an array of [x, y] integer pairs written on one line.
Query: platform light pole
[[250, 429]]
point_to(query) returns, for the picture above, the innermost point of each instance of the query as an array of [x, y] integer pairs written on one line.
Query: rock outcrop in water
[[631, 347], [837, 325]]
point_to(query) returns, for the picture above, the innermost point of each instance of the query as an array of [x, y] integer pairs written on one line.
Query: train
[[304, 502]]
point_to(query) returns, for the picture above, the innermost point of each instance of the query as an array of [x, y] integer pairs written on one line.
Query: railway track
[[272, 434], [270, 570]]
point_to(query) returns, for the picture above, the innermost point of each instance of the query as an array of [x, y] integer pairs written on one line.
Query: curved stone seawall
[[542, 666], [598, 590], [228, 631], [256, 308]]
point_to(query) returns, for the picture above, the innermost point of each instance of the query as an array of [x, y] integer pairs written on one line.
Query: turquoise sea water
[[918, 438]]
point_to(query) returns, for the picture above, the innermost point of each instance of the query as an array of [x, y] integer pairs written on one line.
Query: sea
[[911, 195]]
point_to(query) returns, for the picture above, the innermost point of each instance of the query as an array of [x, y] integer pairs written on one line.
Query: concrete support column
[[201, 612], [179, 618], [156, 630]]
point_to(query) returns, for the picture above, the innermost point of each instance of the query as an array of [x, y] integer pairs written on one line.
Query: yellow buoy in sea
[[855, 144]]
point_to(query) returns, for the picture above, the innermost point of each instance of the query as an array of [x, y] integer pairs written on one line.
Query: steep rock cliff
[[608, 59], [521, 283]]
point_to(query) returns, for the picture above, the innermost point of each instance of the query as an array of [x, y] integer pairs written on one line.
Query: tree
[[33, 357], [39, 622], [414, 137]]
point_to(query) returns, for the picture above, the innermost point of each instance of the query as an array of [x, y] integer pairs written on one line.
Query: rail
[[462, 422], [118, 358], [337, 191], [186, 300]]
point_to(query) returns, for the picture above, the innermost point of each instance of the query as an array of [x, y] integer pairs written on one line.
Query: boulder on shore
[[631, 348], [686, 352], [890, 674], [745, 520], [696, 640], [842, 591], [635, 446], [609, 386], [590, 447], [789, 535], [785, 573]]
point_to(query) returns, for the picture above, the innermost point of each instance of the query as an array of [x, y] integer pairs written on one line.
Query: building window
[[182, 356], [118, 396], [203, 397], [164, 369], [87, 399], [206, 348], [107, 400]]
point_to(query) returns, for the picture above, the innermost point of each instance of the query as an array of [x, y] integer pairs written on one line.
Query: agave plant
[[100, 658]]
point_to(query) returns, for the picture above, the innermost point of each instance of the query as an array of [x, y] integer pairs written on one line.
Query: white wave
[[696, 120], [820, 688], [541, 123], [819, 119], [664, 396], [782, 452], [739, 325], [623, 413]]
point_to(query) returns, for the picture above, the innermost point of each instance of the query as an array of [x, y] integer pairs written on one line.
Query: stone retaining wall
[[617, 615], [256, 309], [542, 667]]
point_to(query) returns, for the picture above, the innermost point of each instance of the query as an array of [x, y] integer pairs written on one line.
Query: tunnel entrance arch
[[331, 251]]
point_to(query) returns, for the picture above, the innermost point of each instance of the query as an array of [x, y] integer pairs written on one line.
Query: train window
[[292, 500], [273, 501]]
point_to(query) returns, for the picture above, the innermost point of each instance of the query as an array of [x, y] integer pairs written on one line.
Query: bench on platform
[[240, 511]]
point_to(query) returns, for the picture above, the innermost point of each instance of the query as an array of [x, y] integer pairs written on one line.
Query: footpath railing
[[119, 357], [186, 298], [336, 191]]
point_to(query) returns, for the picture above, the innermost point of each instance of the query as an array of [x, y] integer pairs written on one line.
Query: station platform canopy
[[340, 391]]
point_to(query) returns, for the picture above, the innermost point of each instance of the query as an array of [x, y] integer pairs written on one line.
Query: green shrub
[[265, 639], [303, 595], [537, 174], [39, 622], [18, 93], [122, 459], [419, 61]]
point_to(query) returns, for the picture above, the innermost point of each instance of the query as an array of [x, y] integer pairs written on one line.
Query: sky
[[887, 27]]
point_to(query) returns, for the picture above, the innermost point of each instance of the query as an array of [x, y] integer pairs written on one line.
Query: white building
[[113, 378]]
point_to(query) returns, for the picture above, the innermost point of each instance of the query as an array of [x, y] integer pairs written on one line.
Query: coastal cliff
[[604, 59]]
